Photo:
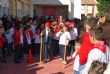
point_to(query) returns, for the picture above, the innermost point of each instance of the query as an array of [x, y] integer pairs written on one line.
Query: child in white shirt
[[98, 52], [65, 37]]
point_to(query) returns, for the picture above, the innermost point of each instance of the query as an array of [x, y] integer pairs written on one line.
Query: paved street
[[53, 67]]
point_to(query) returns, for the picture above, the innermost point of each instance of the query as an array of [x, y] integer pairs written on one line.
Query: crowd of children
[[88, 39], [18, 36]]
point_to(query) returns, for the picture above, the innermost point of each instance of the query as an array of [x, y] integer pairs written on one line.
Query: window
[[83, 9], [89, 9]]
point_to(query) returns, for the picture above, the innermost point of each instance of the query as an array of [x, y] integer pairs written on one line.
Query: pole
[[41, 49], [65, 49], [65, 52]]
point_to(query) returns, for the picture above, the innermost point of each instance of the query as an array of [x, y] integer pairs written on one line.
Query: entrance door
[[50, 11]]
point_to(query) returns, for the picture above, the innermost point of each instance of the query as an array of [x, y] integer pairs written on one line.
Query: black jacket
[[49, 37]]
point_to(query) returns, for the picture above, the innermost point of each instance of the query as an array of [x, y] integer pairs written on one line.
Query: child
[[65, 37], [18, 41], [74, 33], [9, 36], [86, 43], [2, 40], [77, 46], [98, 52], [76, 61], [47, 40], [27, 37], [37, 42]]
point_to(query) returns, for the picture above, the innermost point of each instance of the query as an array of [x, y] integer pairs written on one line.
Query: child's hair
[[97, 32], [97, 68], [92, 21], [27, 27], [78, 40], [17, 25]]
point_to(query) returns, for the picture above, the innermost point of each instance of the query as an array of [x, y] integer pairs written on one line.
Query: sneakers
[[64, 62]]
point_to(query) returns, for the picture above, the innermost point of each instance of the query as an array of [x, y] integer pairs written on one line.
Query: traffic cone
[[29, 60]]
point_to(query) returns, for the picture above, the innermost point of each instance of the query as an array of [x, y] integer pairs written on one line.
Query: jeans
[[62, 48], [71, 47], [47, 52], [17, 53], [55, 47], [9, 49], [76, 72], [36, 48]]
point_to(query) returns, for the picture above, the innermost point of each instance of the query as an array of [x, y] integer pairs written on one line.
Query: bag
[[97, 68]]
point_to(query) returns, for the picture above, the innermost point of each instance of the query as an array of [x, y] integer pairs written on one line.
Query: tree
[[102, 6]]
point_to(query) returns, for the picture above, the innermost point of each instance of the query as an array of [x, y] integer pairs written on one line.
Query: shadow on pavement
[[58, 73]]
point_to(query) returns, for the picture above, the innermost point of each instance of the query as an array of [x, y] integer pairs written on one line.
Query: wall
[[56, 2], [69, 3], [60, 10], [4, 7]]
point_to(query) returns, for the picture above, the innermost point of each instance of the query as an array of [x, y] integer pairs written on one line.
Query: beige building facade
[[15, 7], [89, 7]]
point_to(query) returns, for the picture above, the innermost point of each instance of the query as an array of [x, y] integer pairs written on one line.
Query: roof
[[89, 2]]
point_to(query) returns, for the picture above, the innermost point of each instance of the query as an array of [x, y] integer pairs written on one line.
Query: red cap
[[57, 29], [47, 24], [65, 25], [72, 23]]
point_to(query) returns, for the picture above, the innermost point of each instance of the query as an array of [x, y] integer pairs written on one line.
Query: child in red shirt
[[18, 41], [2, 40]]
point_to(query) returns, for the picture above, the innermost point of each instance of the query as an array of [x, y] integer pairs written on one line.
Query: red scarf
[[101, 46], [85, 48]]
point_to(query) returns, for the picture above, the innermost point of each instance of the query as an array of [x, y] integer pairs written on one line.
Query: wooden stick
[[65, 49], [41, 49], [64, 54]]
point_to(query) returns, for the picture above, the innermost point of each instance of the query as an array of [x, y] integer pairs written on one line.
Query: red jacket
[[85, 48], [16, 37], [2, 40]]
